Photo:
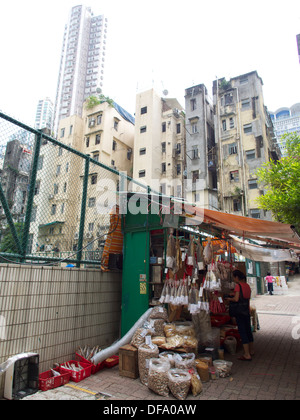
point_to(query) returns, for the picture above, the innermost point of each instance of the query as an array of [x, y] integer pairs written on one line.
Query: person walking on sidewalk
[[270, 280], [243, 321]]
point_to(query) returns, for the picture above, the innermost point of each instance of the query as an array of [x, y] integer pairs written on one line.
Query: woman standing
[[270, 280], [242, 291]]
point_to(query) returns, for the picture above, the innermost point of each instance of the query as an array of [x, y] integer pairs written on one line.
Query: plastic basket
[[111, 361], [95, 368], [48, 381], [81, 374]]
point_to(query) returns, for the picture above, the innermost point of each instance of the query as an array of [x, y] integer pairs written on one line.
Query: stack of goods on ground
[[75, 370], [172, 359]]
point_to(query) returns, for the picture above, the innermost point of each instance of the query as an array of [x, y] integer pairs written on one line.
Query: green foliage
[[93, 100], [282, 183], [8, 243]]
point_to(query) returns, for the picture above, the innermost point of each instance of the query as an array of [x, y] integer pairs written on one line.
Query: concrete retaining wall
[[51, 311]]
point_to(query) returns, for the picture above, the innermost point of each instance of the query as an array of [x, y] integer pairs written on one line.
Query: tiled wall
[[51, 311]]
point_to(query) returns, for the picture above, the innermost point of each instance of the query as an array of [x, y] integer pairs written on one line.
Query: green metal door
[[135, 287]]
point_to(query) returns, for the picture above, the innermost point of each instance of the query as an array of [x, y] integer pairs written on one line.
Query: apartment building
[[159, 143], [105, 133], [245, 138], [286, 121], [44, 114], [82, 61], [201, 150]]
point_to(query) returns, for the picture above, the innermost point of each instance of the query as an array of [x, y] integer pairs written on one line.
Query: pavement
[[273, 373]]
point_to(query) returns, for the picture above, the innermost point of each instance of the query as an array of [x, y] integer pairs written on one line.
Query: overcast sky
[[167, 44]]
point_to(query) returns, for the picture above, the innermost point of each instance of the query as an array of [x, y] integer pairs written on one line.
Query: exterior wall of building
[[82, 61], [159, 143], [245, 139], [201, 149], [107, 137], [51, 311]]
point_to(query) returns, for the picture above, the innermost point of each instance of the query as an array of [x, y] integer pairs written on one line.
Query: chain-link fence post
[[83, 209]]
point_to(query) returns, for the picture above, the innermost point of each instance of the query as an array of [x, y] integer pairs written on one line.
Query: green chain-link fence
[[54, 200]]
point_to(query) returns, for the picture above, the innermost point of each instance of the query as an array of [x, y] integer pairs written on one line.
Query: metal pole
[[37, 149], [83, 209]]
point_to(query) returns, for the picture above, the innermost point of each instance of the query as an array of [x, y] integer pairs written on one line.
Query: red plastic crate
[[80, 375], [48, 381], [111, 361], [95, 368]]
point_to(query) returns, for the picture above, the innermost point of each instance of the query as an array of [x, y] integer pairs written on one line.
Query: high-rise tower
[[82, 61]]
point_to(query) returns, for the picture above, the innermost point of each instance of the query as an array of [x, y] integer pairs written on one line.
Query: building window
[[195, 152], [250, 154], [116, 124], [234, 176], [144, 110], [114, 145], [237, 204], [91, 227], [143, 129], [178, 128], [224, 127], [194, 128], [228, 98], [255, 213], [163, 167], [62, 209], [245, 104], [53, 209], [87, 141], [178, 169], [55, 188], [193, 104], [65, 187], [247, 128], [62, 132], [232, 149], [163, 188], [60, 151], [178, 148], [142, 151], [231, 123], [58, 168], [96, 157], [92, 202], [142, 173], [129, 154], [99, 119], [94, 179], [163, 147], [163, 127], [195, 176], [71, 130], [67, 167], [97, 140], [243, 80], [252, 183]]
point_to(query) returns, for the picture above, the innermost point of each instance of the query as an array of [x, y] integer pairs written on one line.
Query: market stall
[[181, 264]]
